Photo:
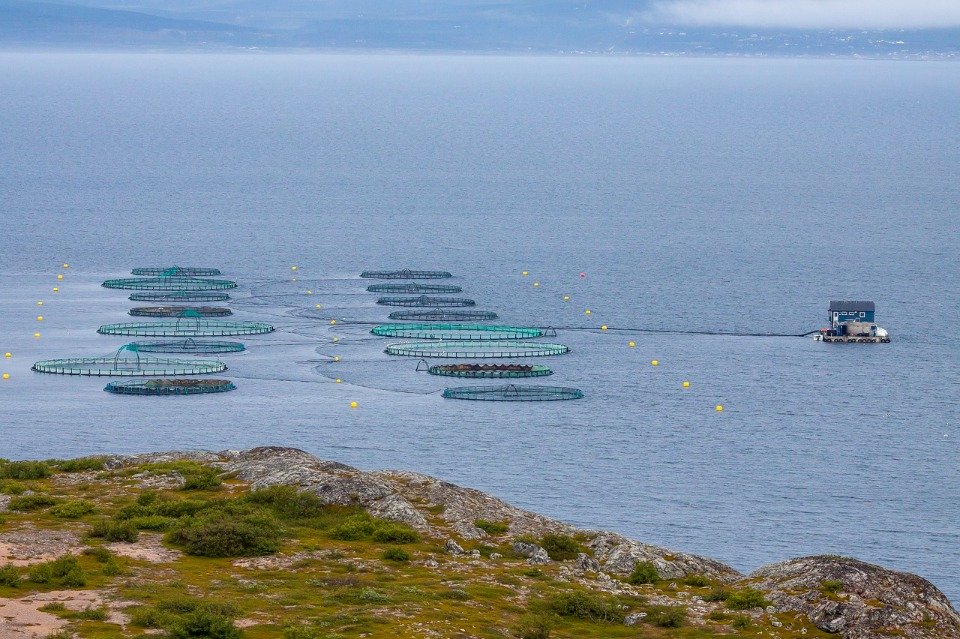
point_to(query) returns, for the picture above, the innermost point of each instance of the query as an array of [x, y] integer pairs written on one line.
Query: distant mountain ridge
[[554, 26]]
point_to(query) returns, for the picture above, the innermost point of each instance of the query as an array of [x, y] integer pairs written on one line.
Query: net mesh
[[426, 300], [490, 371], [476, 350], [413, 287], [513, 393], [128, 366], [170, 387], [169, 284], [189, 345], [180, 311], [179, 296], [440, 315], [406, 274], [175, 271], [457, 332], [186, 328]]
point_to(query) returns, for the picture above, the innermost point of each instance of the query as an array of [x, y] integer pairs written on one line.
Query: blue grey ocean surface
[[719, 195]]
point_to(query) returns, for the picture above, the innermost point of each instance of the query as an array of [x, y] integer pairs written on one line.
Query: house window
[[862, 314]]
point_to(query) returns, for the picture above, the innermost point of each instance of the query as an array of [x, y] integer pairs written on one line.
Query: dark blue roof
[[850, 305]]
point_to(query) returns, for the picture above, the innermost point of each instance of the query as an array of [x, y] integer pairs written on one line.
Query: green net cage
[[183, 327], [426, 300], [442, 315], [179, 296], [513, 393], [457, 332], [406, 274], [169, 284], [413, 287], [476, 350], [170, 387], [189, 346], [180, 311], [490, 371], [116, 366], [176, 271]]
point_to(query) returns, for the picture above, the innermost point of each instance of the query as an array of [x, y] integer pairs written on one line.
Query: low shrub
[[644, 572], [717, 594], [114, 531], [580, 604], [455, 594], [24, 470], [370, 595], [697, 581], [203, 478], [300, 631], [63, 571], [831, 586], [29, 503], [101, 554], [72, 509], [395, 534], [152, 522], [221, 534], [492, 527], [533, 626], [93, 614], [9, 576], [741, 622], [746, 599], [396, 554], [560, 547], [203, 624], [287, 502], [354, 528], [80, 465], [718, 615], [667, 616], [12, 487]]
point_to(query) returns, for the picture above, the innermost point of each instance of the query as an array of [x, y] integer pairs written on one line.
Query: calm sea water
[[725, 195]]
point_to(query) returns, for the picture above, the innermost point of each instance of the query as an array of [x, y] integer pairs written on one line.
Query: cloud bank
[[810, 14]]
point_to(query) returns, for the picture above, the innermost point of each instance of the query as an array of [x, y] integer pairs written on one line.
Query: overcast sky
[[811, 14]]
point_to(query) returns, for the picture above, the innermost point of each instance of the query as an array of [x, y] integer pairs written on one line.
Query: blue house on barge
[[848, 311], [852, 321]]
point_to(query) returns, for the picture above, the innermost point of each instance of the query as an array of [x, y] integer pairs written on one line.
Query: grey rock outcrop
[[618, 555], [534, 553]]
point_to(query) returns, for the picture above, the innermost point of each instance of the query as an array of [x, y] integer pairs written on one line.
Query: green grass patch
[[110, 530], [396, 554], [32, 502], [492, 527], [667, 616], [746, 599], [24, 470], [644, 572], [80, 465], [72, 509], [64, 572], [560, 547], [581, 604]]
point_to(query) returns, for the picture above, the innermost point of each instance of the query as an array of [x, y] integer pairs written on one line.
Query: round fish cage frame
[[189, 346], [426, 300], [513, 393], [179, 296], [476, 350], [170, 387], [115, 366], [186, 327], [169, 284], [490, 371], [414, 287], [442, 315], [175, 271], [180, 311], [406, 274], [457, 332]]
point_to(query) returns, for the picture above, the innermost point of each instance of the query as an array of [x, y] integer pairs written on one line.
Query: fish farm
[[476, 350], [490, 371], [441, 315], [116, 366], [406, 274], [413, 287], [188, 346], [180, 311], [179, 296], [426, 300], [513, 393], [170, 387], [175, 271], [188, 328], [169, 284], [461, 332]]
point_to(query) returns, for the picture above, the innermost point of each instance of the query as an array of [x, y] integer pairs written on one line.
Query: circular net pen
[[179, 296], [186, 328], [406, 274], [180, 311], [189, 346], [441, 315], [490, 371], [476, 350], [169, 284], [457, 332], [513, 393], [176, 271], [413, 287], [426, 300], [170, 387], [115, 366]]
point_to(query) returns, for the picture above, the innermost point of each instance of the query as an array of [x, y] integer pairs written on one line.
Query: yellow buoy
[[40, 303], [655, 362], [566, 298], [719, 408], [36, 336], [632, 344], [333, 321], [293, 268], [293, 279], [39, 318], [525, 273], [65, 265], [686, 384], [336, 358], [59, 277], [318, 306], [8, 355], [603, 328], [587, 312], [338, 380], [536, 284], [6, 375], [353, 404], [335, 339], [309, 292], [56, 289]]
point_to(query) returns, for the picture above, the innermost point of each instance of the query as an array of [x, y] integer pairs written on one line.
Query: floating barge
[[852, 322]]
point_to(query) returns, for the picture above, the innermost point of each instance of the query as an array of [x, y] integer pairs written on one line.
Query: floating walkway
[[179, 296], [513, 393], [406, 274], [114, 366], [426, 300], [413, 287], [490, 371], [186, 328], [175, 271], [170, 387], [180, 311], [441, 315], [169, 284], [187, 346], [476, 350], [460, 332]]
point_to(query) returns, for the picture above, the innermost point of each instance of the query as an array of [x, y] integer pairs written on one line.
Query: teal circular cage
[[175, 271], [180, 311], [476, 350], [189, 346], [490, 371], [413, 287], [457, 332], [442, 315], [186, 327], [170, 387], [426, 300], [169, 284], [127, 362], [406, 274], [175, 297], [513, 393]]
